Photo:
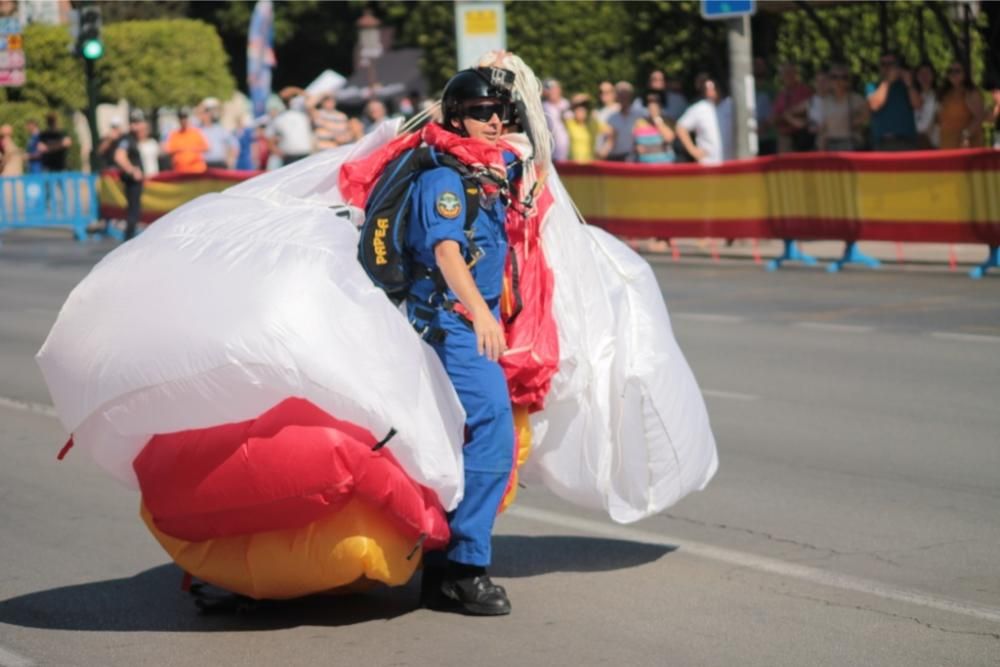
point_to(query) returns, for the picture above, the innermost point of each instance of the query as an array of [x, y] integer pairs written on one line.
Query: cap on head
[[184, 112], [116, 122], [474, 84], [136, 116]]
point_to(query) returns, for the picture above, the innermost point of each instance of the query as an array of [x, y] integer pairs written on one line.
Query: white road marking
[[710, 317], [762, 563], [735, 395], [10, 659], [965, 338], [27, 406], [836, 328]]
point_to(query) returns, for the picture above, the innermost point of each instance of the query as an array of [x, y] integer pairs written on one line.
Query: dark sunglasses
[[956, 70], [887, 63], [839, 77], [484, 112]]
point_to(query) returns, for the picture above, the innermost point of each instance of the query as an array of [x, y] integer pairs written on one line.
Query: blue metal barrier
[[61, 199]]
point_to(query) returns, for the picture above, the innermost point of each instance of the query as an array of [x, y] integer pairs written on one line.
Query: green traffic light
[[92, 49]]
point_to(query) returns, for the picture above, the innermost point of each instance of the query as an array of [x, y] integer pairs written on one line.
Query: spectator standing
[[584, 129], [149, 154], [961, 110], [652, 134], [671, 102], [791, 111], [995, 111], [245, 135], [291, 133], [11, 156], [556, 107], [31, 149], [373, 115], [702, 119], [53, 144], [842, 116], [186, 146], [767, 141], [608, 99], [926, 115], [814, 110], [620, 145], [222, 146], [332, 126], [129, 162], [109, 144], [892, 101]]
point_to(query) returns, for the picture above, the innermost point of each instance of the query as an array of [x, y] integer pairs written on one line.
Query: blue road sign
[[727, 9]]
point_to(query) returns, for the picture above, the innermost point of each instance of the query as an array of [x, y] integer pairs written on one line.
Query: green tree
[[915, 30], [169, 62], [54, 73]]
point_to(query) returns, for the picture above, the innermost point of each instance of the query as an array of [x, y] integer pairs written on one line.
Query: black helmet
[[473, 84]]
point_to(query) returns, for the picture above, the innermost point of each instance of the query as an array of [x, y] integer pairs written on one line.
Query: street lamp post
[[370, 40]]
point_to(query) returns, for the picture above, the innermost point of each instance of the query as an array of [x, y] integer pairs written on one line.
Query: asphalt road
[[855, 519]]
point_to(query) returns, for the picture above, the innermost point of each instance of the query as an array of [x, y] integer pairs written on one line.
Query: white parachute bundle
[[236, 301]]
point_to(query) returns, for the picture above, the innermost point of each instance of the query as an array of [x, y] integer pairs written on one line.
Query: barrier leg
[[853, 256], [793, 253], [992, 261]]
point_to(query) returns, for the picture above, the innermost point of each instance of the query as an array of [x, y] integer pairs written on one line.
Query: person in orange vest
[[187, 146]]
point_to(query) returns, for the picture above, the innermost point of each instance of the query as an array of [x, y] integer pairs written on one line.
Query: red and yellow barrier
[[926, 196], [164, 192]]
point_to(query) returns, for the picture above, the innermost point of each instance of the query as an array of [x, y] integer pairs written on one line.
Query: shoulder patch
[[449, 205]]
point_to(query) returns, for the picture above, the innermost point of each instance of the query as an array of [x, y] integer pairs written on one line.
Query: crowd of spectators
[[905, 109]]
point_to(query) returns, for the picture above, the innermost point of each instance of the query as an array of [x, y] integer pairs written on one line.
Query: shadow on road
[[522, 556], [152, 601]]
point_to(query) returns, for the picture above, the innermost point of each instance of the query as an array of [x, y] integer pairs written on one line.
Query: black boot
[[465, 589]]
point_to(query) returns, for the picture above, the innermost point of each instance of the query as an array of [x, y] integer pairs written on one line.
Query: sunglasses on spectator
[[484, 112], [839, 77], [956, 70], [887, 63]]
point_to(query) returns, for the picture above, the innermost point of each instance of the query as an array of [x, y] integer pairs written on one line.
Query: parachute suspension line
[[419, 119], [416, 547], [62, 452], [381, 443], [528, 89]]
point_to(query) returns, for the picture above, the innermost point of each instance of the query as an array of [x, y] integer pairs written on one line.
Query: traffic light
[[88, 43]]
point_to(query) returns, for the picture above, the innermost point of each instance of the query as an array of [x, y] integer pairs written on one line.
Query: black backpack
[[381, 247]]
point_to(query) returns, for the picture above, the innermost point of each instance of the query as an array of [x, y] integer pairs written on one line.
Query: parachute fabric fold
[[625, 428], [233, 303]]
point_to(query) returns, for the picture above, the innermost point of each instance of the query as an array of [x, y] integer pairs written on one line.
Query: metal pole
[[741, 87], [95, 162]]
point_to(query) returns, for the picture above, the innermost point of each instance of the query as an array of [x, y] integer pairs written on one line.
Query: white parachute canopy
[[236, 301]]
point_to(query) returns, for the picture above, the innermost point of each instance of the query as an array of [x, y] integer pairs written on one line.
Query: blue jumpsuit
[[438, 214]]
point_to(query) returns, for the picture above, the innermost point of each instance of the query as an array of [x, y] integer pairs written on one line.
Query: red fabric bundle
[[532, 356], [292, 465]]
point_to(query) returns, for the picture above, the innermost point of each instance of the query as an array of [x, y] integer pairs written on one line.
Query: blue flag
[[260, 55]]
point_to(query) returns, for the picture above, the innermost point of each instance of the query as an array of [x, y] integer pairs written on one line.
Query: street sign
[[716, 10], [12, 62], [479, 27]]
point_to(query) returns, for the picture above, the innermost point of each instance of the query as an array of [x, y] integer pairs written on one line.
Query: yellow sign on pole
[[480, 26], [481, 22]]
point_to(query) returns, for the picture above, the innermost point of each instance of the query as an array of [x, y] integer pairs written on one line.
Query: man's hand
[[489, 334], [698, 154]]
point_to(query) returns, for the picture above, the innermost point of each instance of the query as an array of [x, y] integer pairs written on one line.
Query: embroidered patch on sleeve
[[449, 205]]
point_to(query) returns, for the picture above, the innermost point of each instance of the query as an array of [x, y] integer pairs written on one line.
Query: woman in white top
[[926, 114], [843, 114]]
